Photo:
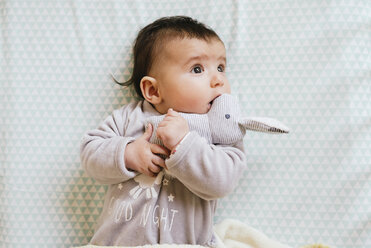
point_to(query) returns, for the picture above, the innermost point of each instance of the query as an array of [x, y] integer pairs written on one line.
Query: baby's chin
[[204, 109], [200, 112]]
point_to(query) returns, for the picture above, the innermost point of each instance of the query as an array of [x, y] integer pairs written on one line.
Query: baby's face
[[190, 73]]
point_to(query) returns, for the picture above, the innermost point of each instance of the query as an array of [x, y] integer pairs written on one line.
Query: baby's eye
[[197, 69], [221, 68]]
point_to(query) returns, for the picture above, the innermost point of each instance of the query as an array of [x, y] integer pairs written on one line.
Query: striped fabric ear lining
[[263, 124]]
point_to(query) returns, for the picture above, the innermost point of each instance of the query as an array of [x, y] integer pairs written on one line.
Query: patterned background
[[306, 63]]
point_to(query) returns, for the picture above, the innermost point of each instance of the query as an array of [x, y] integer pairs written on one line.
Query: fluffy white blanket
[[230, 234]]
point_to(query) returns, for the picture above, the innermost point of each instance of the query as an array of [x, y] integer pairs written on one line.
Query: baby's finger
[[172, 112], [154, 168], [167, 118], [150, 173], [147, 171], [159, 162], [148, 132], [157, 149]]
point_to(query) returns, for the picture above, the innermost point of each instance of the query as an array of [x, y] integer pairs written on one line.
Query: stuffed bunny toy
[[223, 123]]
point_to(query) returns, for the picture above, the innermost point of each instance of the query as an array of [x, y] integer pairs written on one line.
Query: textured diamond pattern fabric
[[306, 63]]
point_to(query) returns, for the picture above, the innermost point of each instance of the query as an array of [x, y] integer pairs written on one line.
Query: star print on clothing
[[120, 186], [171, 198], [165, 182]]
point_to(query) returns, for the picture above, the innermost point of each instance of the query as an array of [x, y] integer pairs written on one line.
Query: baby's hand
[[172, 129], [143, 157]]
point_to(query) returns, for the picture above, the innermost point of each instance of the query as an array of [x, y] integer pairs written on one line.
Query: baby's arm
[[103, 150], [209, 171]]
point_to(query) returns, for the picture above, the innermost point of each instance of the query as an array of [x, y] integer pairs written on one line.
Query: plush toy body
[[223, 124]]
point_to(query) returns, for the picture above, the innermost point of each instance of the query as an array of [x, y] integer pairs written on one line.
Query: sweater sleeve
[[102, 150], [209, 171]]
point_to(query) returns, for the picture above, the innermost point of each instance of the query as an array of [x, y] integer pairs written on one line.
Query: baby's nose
[[216, 82]]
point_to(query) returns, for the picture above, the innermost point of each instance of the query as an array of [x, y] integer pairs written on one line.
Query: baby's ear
[[150, 91], [263, 124]]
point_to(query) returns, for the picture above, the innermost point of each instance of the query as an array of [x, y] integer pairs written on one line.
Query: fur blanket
[[230, 234]]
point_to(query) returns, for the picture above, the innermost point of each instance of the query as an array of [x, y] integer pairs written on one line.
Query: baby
[[179, 66]]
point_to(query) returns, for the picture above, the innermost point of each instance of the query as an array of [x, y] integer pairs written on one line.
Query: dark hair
[[152, 36]]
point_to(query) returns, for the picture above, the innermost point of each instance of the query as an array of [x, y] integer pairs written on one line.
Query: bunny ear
[[263, 124]]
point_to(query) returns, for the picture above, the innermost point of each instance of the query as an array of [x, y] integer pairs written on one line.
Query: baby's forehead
[[174, 46]]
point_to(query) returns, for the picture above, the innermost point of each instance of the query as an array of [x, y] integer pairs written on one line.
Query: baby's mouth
[[211, 102], [209, 105]]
